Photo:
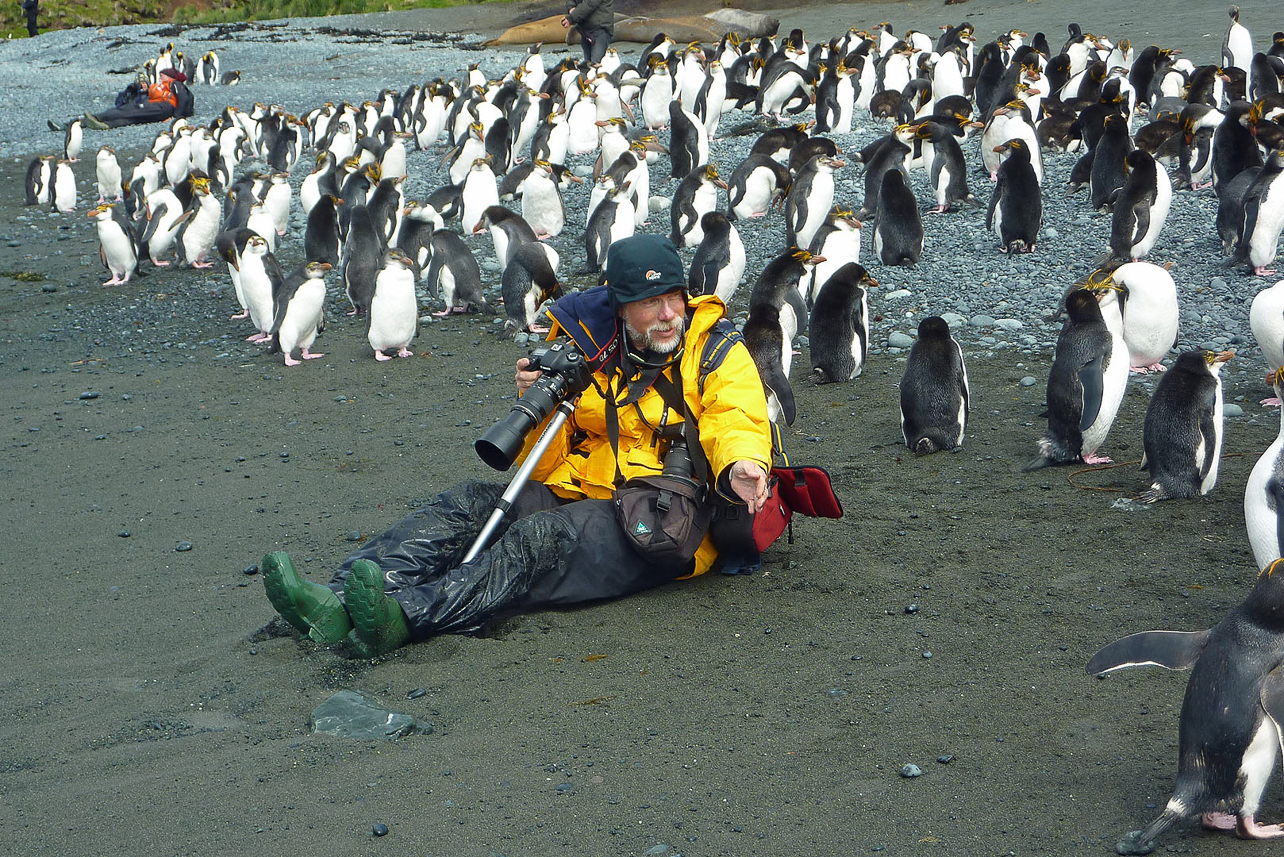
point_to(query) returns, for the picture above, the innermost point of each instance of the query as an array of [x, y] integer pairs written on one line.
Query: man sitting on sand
[[657, 355], [167, 98]]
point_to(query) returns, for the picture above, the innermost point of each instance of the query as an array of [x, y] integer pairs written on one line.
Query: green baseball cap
[[641, 267]]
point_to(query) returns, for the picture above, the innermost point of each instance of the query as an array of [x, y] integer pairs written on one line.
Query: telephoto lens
[[565, 373]]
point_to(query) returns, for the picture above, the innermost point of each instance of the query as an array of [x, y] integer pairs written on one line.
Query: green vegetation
[[64, 14]]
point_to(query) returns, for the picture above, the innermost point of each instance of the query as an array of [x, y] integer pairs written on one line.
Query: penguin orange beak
[[325, 266], [815, 260], [1223, 357], [720, 183]]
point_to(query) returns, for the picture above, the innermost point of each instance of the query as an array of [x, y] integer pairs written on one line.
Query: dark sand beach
[[151, 457]]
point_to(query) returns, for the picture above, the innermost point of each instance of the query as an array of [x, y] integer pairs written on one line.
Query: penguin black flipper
[[1092, 379], [1172, 650], [1275, 497], [1207, 429], [1272, 696], [774, 379]]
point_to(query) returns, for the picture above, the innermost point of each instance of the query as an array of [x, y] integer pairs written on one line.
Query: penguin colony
[[979, 121]]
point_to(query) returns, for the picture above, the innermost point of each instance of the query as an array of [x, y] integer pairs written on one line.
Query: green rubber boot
[[311, 608], [378, 623]]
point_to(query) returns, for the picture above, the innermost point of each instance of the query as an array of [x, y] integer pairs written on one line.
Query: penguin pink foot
[[1218, 820], [1248, 828], [1271, 402], [245, 313], [940, 209], [258, 337], [115, 281], [161, 263], [290, 361], [1263, 272], [308, 355], [1093, 458], [442, 314], [403, 351], [381, 357], [1146, 370], [535, 328], [200, 264]]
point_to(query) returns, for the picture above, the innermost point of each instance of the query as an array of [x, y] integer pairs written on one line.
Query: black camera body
[[565, 374]]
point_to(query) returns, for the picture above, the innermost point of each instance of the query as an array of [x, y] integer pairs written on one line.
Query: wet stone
[[183, 547], [352, 714], [380, 829], [910, 771]]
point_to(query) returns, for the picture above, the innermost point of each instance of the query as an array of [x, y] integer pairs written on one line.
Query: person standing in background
[[596, 21], [31, 8]]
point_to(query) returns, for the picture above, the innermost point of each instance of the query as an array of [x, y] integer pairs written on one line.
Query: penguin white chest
[[302, 316], [392, 309], [542, 206], [1262, 510]]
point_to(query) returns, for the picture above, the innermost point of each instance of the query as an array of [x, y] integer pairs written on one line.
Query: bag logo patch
[[641, 529], [653, 275]]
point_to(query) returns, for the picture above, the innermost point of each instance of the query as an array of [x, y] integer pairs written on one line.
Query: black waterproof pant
[[594, 44], [547, 554], [142, 114], [32, 12]]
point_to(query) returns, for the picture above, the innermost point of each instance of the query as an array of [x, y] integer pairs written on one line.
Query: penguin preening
[[1182, 438], [1231, 715]]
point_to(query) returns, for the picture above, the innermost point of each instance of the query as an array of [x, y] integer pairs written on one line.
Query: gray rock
[[911, 770], [982, 321], [1232, 410], [900, 340], [1009, 324], [1028, 381], [898, 294]]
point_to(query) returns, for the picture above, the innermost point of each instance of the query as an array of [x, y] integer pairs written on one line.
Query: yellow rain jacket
[[729, 406]]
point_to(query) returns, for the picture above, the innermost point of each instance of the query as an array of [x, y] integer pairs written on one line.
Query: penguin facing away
[[1183, 431], [1016, 204], [898, 227], [935, 399], [1264, 494], [1231, 715], [770, 349], [838, 326], [719, 262]]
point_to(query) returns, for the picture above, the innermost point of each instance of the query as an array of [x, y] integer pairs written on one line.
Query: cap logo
[[653, 275]]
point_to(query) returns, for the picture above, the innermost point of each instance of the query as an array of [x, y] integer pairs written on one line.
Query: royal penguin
[[612, 220], [837, 242], [755, 185], [199, 226], [1184, 428], [528, 280], [479, 193], [1264, 493], [260, 278], [364, 255], [898, 227], [779, 284], [719, 262], [299, 312], [507, 230], [162, 210], [39, 181], [1237, 47], [696, 196], [1148, 300], [542, 204], [1263, 218], [394, 310], [688, 141], [810, 197], [117, 248], [1266, 321], [838, 325], [935, 398], [1231, 715], [107, 171], [1016, 203], [1234, 144], [657, 95], [771, 350], [889, 152], [947, 169], [454, 275], [64, 188], [1140, 208], [1085, 386], [321, 242], [73, 141], [414, 238]]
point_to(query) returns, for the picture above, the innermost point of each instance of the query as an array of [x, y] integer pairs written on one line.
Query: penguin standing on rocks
[[838, 326], [64, 188], [948, 170], [414, 237], [527, 282], [809, 199], [719, 263], [612, 220], [837, 242], [479, 193], [260, 278], [1016, 204], [542, 204], [1141, 207], [118, 250], [199, 226], [321, 235], [1150, 313], [889, 153], [363, 259], [394, 310], [1108, 158], [1231, 715], [73, 140], [1085, 386], [1263, 218], [695, 197], [688, 141], [771, 351], [454, 275], [299, 312], [935, 399], [1264, 494], [107, 170], [754, 186], [1183, 432], [898, 227], [39, 182]]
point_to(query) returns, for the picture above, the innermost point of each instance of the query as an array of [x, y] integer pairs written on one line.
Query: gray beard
[[643, 342]]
